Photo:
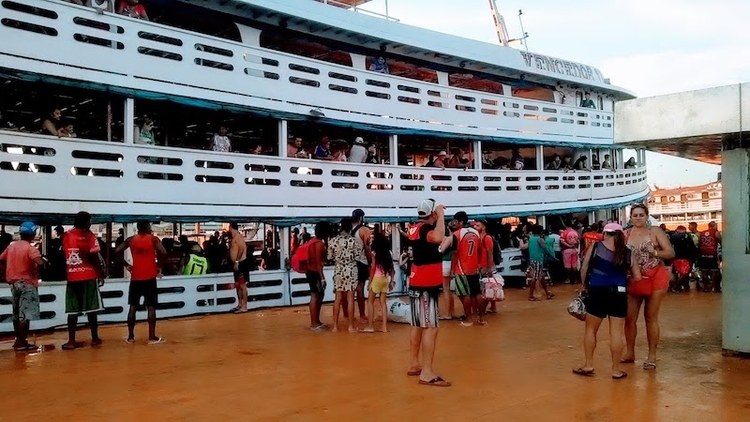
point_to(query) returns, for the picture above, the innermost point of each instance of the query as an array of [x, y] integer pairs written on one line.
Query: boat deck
[[266, 365]]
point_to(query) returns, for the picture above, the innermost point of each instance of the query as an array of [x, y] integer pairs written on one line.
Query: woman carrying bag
[[607, 264]]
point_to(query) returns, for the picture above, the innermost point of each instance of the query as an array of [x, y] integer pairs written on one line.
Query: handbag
[[577, 308], [492, 288]]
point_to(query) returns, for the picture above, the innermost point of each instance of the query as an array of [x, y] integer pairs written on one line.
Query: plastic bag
[[398, 311], [577, 309], [492, 288]]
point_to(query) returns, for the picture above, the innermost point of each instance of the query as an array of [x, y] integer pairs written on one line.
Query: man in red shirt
[[21, 262], [466, 267], [146, 250], [85, 275], [425, 281], [133, 9]]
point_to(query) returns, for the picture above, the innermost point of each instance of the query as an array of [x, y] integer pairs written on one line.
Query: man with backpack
[[309, 259], [685, 254]]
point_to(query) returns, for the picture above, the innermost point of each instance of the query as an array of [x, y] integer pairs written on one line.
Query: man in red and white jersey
[[708, 257], [84, 274], [466, 264]]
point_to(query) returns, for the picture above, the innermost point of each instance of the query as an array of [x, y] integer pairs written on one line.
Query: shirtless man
[[240, 267]]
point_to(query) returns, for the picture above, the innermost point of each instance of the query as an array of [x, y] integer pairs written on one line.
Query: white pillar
[[284, 241], [393, 149], [592, 217], [542, 221], [539, 157], [129, 133], [477, 155], [283, 137], [735, 248], [396, 252]]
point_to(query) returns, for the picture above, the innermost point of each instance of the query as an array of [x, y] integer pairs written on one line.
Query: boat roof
[[395, 38]]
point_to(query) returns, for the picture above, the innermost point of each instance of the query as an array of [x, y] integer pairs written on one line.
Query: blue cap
[[27, 228]]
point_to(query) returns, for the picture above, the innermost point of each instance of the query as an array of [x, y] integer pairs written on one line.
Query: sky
[[650, 47]]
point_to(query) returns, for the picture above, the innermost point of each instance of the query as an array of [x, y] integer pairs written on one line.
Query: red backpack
[[302, 255]]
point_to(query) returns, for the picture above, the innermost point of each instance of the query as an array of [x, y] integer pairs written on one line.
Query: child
[[66, 131], [381, 282]]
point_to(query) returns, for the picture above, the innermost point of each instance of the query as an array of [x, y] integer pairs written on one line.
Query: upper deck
[[112, 51]]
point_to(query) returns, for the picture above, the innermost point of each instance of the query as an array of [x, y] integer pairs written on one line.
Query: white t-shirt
[[556, 239], [222, 143], [357, 154]]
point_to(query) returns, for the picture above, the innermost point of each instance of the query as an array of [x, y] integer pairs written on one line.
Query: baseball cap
[[481, 220], [358, 213], [359, 140], [27, 227], [681, 228], [461, 217], [612, 227], [425, 208], [442, 153]]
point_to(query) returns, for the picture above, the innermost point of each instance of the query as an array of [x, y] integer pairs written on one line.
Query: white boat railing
[[195, 295], [687, 206], [45, 174], [119, 51]]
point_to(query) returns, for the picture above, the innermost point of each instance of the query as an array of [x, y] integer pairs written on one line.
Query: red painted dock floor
[[267, 366]]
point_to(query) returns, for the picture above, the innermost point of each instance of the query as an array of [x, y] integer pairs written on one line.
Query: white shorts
[[447, 268]]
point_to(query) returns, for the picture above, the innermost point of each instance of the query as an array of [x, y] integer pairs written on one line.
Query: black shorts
[[145, 289], [242, 275], [315, 282], [363, 272], [708, 262], [602, 302], [468, 285]]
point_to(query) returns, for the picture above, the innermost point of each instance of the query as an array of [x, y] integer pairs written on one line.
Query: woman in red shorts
[[650, 246]]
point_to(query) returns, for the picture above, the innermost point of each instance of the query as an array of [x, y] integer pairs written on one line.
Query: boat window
[[84, 114], [534, 93], [424, 151], [292, 42], [508, 156], [335, 143], [475, 83], [193, 127], [404, 69]]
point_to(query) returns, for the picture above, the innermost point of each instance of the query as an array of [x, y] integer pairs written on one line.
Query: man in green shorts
[[85, 275]]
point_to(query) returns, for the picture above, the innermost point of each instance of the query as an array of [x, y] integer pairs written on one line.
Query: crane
[[502, 30]]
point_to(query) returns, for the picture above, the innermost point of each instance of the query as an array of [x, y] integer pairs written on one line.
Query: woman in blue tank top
[[606, 266]]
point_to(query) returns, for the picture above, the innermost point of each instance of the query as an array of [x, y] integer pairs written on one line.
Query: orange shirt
[[19, 259], [468, 252], [589, 238], [78, 244], [144, 257], [486, 250]]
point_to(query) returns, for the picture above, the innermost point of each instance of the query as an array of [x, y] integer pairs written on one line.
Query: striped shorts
[[424, 307]]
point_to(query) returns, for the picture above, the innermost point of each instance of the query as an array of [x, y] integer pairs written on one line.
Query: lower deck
[[266, 365]]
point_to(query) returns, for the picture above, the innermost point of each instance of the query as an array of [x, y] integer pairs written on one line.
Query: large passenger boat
[[115, 115]]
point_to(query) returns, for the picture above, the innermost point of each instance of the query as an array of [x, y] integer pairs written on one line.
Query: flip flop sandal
[[533, 299], [367, 330], [583, 372], [627, 360], [157, 340], [27, 348], [619, 377], [436, 382], [414, 373], [649, 365], [550, 296]]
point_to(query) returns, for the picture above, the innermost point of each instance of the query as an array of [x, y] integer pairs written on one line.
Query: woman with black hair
[[606, 267], [381, 281]]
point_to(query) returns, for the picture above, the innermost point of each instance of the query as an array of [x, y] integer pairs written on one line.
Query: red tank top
[[144, 257], [708, 243], [77, 245], [469, 246]]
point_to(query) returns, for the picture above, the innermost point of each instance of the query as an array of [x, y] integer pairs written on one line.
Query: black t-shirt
[[424, 251]]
